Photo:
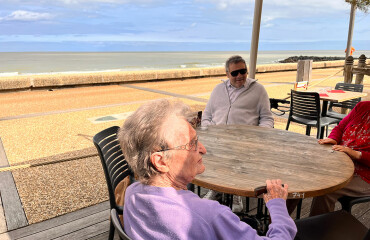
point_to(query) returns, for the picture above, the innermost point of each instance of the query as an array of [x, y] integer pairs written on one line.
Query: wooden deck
[[93, 223], [88, 223]]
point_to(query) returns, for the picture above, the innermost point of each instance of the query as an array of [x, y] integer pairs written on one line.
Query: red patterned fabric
[[354, 132]]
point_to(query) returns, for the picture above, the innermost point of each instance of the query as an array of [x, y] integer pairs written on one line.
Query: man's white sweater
[[251, 107]]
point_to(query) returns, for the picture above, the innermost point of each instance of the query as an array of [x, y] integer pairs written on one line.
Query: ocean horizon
[[25, 63]]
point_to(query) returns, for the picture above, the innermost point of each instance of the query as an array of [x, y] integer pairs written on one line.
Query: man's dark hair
[[234, 59]]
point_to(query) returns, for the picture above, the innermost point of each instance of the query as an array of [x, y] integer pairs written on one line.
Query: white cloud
[[226, 4], [145, 37], [76, 2], [222, 5], [35, 2], [106, 1], [21, 15], [326, 5], [289, 5]]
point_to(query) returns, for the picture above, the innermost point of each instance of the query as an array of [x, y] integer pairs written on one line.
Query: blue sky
[[164, 25]]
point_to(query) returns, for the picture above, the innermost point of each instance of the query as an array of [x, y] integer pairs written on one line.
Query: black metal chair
[[117, 224], [114, 165], [274, 104], [338, 225], [350, 104], [347, 202], [305, 109], [195, 119]]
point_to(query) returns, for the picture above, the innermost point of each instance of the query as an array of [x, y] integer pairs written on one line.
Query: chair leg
[[308, 130], [299, 206], [345, 202], [265, 216], [318, 136], [327, 131], [247, 204], [287, 124], [231, 198], [259, 208], [111, 230]]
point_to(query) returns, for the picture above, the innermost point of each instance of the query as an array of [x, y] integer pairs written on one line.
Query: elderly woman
[[351, 136], [163, 150]]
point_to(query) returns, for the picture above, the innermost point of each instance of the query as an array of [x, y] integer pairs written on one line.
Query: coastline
[[58, 80]]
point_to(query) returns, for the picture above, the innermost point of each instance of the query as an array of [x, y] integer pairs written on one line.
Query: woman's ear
[[159, 162]]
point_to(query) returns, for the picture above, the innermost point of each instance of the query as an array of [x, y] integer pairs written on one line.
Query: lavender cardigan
[[166, 213]]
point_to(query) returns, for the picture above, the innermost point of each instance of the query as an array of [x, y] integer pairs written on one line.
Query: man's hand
[[275, 190], [327, 141], [350, 152]]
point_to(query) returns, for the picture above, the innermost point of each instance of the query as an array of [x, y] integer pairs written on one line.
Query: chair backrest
[[195, 119], [112, 159], [350, 104], [305, 105], [117, 225], [337, 225]]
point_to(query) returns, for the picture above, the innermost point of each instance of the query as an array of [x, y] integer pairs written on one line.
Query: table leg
[[324, 108], [323, 114]]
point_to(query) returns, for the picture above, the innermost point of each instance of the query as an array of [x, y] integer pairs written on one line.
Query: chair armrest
[[347, 202], [117, 225]]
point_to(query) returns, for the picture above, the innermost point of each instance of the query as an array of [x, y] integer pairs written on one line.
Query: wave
[[8, 74]]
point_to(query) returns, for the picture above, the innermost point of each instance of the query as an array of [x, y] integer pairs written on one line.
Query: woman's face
[[184, 164]]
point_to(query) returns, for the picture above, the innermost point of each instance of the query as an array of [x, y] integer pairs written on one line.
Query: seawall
[[30, 82]]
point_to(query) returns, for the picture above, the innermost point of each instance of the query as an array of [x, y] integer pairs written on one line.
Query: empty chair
[[114, 165], [338, 225], [305, 109], [350, 104]]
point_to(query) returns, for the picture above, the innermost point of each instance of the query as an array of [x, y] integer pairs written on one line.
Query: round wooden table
[[240, 158]]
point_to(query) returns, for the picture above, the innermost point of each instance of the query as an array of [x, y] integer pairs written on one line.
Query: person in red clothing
[[351, 136]]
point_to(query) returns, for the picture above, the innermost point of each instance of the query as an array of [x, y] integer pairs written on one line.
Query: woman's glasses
[[236, 72], [191, 146]]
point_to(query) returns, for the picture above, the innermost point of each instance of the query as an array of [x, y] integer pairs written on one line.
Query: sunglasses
[[236, 72]]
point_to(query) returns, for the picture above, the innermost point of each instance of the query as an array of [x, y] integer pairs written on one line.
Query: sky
[[175, 25]]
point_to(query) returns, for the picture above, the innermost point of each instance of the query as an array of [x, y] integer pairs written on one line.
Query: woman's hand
[[350, 152], [327, 141], [275, 190]]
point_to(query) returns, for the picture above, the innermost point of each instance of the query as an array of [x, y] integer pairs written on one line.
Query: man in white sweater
[[237, 100]]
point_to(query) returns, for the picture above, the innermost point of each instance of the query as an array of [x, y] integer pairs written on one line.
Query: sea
[[25, 63]]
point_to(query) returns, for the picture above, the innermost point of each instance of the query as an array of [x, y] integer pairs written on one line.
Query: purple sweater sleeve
[[282, 225], [228, 225]]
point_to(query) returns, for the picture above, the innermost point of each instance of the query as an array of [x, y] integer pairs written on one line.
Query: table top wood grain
[[240, 158]]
